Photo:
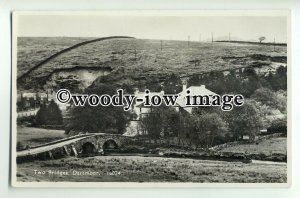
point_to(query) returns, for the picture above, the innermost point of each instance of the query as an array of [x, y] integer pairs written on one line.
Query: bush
[[278, 126]]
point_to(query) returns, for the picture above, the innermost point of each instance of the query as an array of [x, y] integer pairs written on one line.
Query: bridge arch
[[110, 145], [88, 148]]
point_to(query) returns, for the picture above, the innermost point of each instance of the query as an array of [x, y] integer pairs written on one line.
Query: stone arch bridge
[[78, 145]]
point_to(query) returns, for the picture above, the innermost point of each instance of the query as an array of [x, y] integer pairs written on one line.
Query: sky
[[247, 28]]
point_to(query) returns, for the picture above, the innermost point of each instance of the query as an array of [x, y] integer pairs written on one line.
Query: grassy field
[[151, 169], [36, 136], [268, 146]]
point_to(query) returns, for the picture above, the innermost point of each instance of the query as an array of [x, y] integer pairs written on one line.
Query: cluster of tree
[[271, 105], [205, 127], [49, 115], [162, 121], [245, 82], [277, 81], [171, 85], [276, 100], [71, 82], [95, 119], [208, 126], [150, 83], [266, 93], [278, 126]]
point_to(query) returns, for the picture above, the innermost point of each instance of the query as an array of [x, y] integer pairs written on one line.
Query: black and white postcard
[[151, 99]]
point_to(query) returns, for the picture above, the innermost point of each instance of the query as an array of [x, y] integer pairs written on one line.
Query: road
[[51, 146]]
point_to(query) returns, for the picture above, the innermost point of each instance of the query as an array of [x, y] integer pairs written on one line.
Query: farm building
[[28, 100]]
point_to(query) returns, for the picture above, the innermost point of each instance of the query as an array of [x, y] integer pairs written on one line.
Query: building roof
[[194, 90], [198, 90], [181, 100]]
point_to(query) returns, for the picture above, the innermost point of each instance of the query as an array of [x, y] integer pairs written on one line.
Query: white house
[[140, 110], [194, 90]]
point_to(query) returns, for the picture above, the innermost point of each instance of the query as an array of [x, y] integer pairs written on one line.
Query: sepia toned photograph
[[151, 98]]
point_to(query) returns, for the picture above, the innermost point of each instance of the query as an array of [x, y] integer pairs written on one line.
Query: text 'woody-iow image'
[[150, 98]]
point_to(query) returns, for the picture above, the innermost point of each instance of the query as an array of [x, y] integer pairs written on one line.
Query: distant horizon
[[196, 28], [193, 41]]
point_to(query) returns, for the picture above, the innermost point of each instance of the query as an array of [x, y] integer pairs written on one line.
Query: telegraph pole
[[47, 96], [188, 41], [229, 37], [135, 53], [274, 44], [161, 45], [212, 37]]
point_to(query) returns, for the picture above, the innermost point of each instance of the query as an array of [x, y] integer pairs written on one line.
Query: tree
[[49, 115], [243, 120], [262, 38], [275, 100], [153, 124], [194, 80], [203, 110], [151, 83], [281, 97], [161, 121], [199, 128], [278, 126], [99, 119], [172, 84], [207, 126], [41, 115], [265, 96], [281, 71], [251, 84], [172, 125], [71, 81], [232, 84], [280, 79], [54, 116]]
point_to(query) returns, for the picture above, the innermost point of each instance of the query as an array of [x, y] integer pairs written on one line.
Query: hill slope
[[143, 58]]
